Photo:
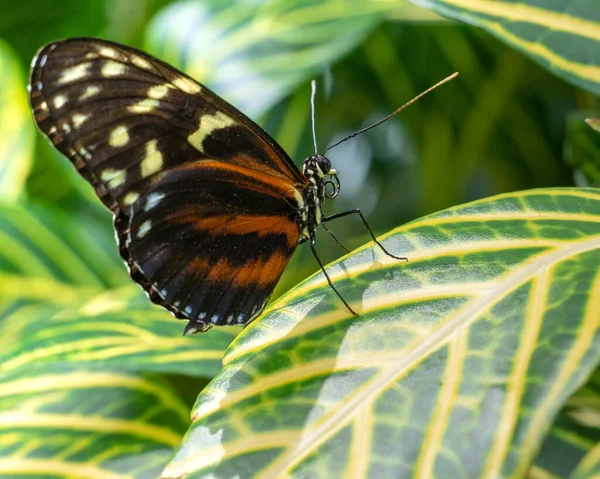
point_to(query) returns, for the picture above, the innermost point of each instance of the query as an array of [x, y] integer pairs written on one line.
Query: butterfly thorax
[[319, 174]]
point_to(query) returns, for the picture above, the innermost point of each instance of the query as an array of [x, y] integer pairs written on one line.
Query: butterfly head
[[318, 170]]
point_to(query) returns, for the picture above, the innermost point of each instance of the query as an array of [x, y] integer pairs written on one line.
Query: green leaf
[[16, 134], [77, 423], [43, 242], [116, 329], [267, 46], [582, 150], [456, 367], [594, 123], [584, 410], [574, 433], [589, 468], [27, 29], [564, 37], [60, 303]]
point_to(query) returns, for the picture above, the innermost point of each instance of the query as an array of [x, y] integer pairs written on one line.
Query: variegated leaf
[[456, 367]]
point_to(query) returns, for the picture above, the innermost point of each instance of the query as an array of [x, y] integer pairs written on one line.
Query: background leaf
[[456, 367], [594, 123], [582, 150], [573, 435], [77, 423], [16, 135], [61, 303], [562, 36], [269, 47]]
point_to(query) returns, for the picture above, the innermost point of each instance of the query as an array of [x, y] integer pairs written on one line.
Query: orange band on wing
[[272, 268], [226, 224], [263, 272], [245, 224], [248, 178]]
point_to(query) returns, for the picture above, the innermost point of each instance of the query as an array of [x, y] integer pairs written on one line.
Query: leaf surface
[[456, 367], [564, 37]]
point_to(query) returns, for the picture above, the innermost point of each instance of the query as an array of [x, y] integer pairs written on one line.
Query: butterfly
[[208, 208]]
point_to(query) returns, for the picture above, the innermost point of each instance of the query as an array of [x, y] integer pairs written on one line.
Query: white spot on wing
[[108, 52], [145, 106], [153, 200], [89, 92], [119, 136], [144, 228], [130, 198], [113, 178], [141, 63], [74, 73], [153, 161], [208, 124], [186, 85], [59, 101], [85, 153], [158, 91], [111, 69], [79, 119], [188, 309]]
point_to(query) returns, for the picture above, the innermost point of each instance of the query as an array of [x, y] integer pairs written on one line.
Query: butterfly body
[[208, 208]]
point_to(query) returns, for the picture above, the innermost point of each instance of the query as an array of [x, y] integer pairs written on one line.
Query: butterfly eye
[[324, 164]]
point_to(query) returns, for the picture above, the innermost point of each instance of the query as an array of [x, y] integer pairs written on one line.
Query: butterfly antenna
[[313, 86], [391, 115]]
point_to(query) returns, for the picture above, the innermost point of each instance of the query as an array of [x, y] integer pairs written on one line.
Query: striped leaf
[[92, 424], [16, 134], [582, 149], [456, 367], [589, 468], [573, 436], [116, 329], [267, 46], [564, 37], [594, 123], [61, 304], [43, 242]]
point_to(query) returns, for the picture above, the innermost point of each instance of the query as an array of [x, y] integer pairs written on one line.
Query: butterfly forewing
[[205, 202]]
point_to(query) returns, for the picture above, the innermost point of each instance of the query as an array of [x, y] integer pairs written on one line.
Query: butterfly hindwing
[[205, 201], [235, 252]]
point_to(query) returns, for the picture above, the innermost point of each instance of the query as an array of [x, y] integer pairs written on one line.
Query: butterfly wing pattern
[[206, 204]]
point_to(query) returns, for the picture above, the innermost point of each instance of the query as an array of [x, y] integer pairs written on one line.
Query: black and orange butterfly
[[208, 208]]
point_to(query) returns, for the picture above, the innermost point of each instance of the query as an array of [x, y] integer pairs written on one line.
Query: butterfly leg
[[312, 247], [333, 236], [357, 211]]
